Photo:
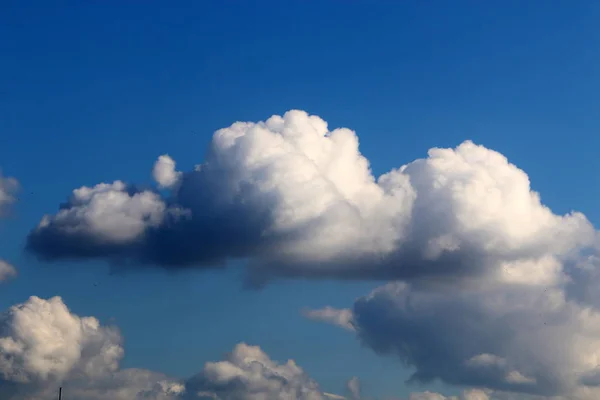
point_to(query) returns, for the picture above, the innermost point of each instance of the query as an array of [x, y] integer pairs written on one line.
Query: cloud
[[511, 337], [299, 200], [8, 189], [353, 388], [43, 345], [489, 287], [471, 394], [342, 318], [7, 271]]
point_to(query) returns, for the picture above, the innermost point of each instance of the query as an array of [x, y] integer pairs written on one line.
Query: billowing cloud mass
[[7, 271], [489, 288], [297, 199], [164, 172], [8, 188], [43, 345], [249, 374]]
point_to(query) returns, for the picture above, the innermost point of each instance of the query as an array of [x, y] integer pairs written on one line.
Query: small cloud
[[7, 271], [164, 172], [339, 317], [353, 388]]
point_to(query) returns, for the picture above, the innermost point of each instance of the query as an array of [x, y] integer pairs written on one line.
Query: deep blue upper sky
[[94, 91]]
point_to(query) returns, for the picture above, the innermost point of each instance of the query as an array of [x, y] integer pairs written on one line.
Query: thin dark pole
[[60, 393]]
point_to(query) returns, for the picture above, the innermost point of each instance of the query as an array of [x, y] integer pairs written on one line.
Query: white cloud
[[43, 345], [494, 289], [527, 339], [249, 374], [334, 316], [297, 199]]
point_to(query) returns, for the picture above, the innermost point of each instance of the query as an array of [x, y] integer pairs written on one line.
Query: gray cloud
[[334, 316], [525, 338], [43, 345]]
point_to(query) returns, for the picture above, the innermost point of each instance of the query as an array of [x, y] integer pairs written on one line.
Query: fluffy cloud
[[353, 388], [249, 374], [43, 345], [8, 188], [297, 199], [506, 336]]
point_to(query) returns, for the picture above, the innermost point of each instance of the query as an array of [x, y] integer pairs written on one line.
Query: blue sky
[[95, 91]]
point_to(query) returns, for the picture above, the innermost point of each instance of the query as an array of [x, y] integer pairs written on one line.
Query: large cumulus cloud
[[44, 346], [490, 287], [297, 199]]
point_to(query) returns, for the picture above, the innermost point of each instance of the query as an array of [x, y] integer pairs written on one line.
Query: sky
[[419, 268]]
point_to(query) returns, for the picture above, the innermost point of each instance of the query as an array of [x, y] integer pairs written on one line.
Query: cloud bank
[[44, 346]]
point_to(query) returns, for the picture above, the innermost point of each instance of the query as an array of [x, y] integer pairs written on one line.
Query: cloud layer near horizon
[[299, 200], [43, 345]]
